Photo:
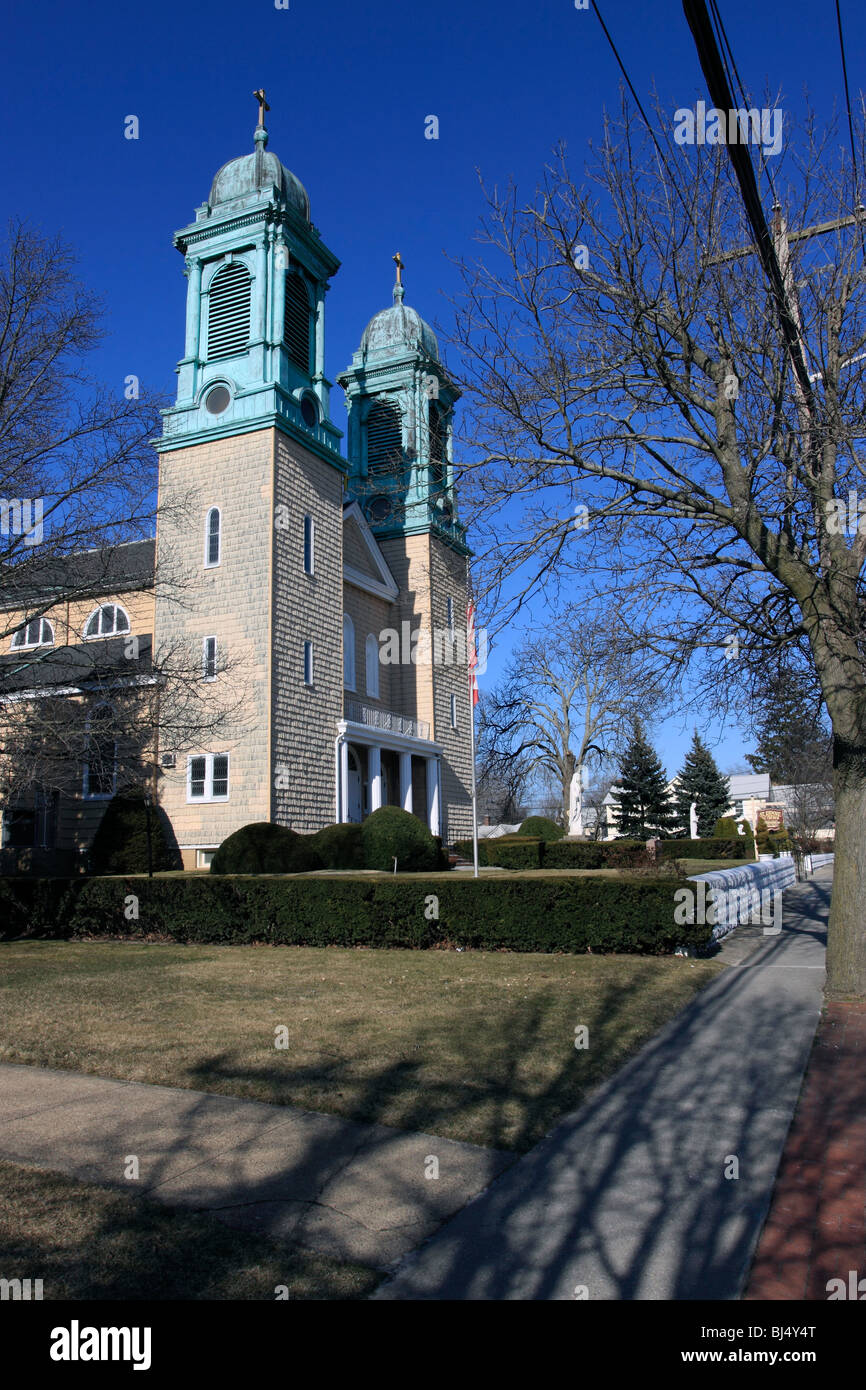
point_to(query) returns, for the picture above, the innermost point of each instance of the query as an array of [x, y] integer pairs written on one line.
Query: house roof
[[82, 666], [109, 570]]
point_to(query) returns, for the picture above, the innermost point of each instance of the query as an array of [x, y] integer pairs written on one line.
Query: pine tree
[[641, 803], [700, 781], [792, 738]]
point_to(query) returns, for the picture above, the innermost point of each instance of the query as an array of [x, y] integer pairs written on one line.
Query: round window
[[217, 400], [308, 413], [379, 508]]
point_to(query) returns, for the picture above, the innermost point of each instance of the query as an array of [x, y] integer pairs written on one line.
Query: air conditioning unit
[[168, 760]]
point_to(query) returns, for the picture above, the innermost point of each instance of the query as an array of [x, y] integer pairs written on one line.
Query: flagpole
[[474, 788], [471, 662]]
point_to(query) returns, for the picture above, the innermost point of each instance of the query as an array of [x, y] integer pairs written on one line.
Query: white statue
[[693, 820], [575, 803]]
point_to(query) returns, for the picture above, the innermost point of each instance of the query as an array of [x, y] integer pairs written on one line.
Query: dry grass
[[475, 1046], [90, 1242]]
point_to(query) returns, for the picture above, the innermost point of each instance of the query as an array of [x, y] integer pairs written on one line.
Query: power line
[[847, 97], [646, 122], [734, 80]]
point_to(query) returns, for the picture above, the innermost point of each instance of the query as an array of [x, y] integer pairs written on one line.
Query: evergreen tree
[[641, 803], [700, 781], [793, 740]]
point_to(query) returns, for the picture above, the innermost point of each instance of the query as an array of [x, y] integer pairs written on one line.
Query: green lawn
[[474, 1045], [90, 1242]]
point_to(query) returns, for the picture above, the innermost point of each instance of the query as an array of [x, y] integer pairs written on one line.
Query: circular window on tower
[[217, 400], [309, 414], [379, 508]]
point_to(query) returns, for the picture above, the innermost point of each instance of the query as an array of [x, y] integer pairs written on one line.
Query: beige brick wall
[[370, 616], [232, 602], [449, 580], [307, 608]]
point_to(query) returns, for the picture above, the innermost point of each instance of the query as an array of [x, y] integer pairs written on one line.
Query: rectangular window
[[209, 659], [454, 711], [309, 558], [208, 777], [203, 858], [308, 663], [451, 615]]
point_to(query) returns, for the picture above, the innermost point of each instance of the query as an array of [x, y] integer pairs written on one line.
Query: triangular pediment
[[364, 564]]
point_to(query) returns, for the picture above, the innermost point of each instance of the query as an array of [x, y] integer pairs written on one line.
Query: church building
[[331, 575]]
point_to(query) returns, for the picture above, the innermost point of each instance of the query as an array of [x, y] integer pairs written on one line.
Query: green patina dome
[[250, 173], [399, 327]]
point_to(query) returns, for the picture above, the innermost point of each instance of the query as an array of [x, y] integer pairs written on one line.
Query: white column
[[433, 819], [261, 288], [320, 332], [374, 769], [344, 780], [193, 306], [406, 781]]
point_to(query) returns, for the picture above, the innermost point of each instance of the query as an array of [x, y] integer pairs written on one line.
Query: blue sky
[[350, 86]]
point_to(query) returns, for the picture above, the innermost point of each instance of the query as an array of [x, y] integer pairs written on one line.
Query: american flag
[[471, 652]]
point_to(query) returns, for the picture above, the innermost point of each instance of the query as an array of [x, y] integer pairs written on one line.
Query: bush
[[515, 852], [392, 833], [721, 847], [263, 848], [120, 843], [626, 854], [339, 846], [574, 854], [541, 827], [515, 914]]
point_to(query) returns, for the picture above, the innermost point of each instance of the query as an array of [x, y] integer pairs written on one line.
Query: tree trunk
[[846, 941]]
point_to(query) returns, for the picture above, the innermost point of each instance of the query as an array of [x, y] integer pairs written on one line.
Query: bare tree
[[569, 693], [619, 359]]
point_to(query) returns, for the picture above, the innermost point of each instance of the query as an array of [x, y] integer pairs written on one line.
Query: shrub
[[515, 914], [392, 833], [541, 827], [515, 852], [626, 854], [120, 843], [263, 848], [339, 846], [723, 847], [574, 854]]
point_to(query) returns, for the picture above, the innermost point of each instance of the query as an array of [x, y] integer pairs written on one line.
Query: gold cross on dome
[[263, 105], [401, 265]]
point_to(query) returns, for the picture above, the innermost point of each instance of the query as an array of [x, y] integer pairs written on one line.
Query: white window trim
[[350, 684], [204, 642], [449, 608], [213, 564], [372, 687], [25, 646], [208, 797], [312, 570], [308, 684], [454, 711], [115, 632]]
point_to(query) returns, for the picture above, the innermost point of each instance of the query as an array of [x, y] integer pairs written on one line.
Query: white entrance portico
[[402, 765]]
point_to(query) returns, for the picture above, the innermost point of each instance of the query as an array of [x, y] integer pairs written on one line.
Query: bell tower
[[257, 275], [400, 403]]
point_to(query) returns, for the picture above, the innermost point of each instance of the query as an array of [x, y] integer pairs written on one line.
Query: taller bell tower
[[257, 275]]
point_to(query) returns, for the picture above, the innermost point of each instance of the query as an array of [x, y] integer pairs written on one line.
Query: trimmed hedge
[[519, 914], [263, 848], [717, 847], [391, 833], [120, 843], [340, 846], [559, 854], [514, 852]]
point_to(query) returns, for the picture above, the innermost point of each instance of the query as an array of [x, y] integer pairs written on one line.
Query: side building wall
[[231, 601]]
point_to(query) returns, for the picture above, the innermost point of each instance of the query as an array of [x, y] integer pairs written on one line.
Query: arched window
[[437, 445], [348, 653], [37, 633], [372, 654], [213, 538], [296, 326], [107, 621], [100, 767], [228, 319], [384, 438]]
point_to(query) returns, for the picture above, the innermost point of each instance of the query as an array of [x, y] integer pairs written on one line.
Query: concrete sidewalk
[[355, 1192], [634, 1196]]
